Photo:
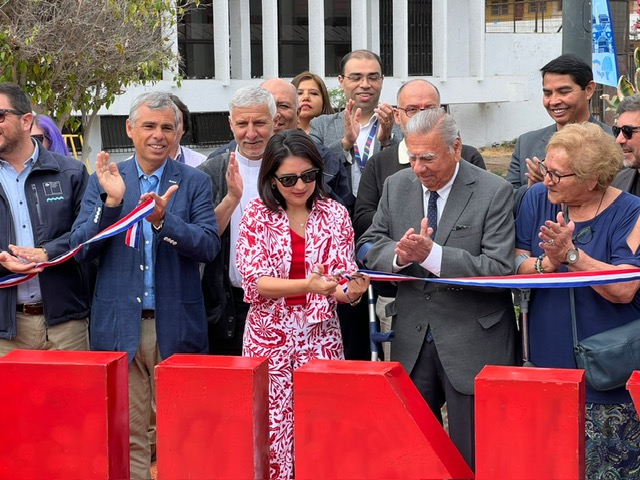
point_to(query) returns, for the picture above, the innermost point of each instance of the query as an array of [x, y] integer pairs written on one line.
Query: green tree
[[78, 55]]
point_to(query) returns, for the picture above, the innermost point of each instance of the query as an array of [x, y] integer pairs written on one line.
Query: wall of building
[[482, 124], [497, 100]]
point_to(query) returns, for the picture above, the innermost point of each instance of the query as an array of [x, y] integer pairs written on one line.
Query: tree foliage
[[78, 55]]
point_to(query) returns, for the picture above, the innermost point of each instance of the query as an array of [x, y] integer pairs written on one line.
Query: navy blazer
[[189, 236]]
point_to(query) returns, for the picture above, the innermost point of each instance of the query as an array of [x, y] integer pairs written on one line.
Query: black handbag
[[610, 357]]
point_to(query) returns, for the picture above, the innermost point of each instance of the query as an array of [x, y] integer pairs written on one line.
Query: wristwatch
[[572, 257]]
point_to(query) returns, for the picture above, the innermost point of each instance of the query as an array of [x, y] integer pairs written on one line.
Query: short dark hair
[[289, 143], [17, 98], [570, 64], [186, 115], [363, 54]]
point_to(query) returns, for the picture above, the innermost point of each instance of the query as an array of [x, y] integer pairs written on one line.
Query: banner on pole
[[603, 46]]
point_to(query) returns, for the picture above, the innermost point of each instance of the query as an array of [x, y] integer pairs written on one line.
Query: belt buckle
[[32, 308]]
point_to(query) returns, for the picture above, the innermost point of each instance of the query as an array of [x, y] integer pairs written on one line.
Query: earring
[[273, 185]]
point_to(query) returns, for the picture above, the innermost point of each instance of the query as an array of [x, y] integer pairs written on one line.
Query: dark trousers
[[434, 385], [354, 325], [225, 339]]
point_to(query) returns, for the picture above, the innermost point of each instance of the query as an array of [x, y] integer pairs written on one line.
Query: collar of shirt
[[403, 153], [244, 161], [180, 155], [143, 177], [29, 162]]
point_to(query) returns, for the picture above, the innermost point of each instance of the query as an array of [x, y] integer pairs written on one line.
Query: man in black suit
[[567, 88]]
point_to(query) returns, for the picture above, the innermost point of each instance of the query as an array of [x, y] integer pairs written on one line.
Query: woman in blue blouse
[[576, 221]]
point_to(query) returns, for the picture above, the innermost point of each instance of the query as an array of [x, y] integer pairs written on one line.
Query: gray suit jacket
[[625, 179], [529, 145], [328, 130], [472, 327]]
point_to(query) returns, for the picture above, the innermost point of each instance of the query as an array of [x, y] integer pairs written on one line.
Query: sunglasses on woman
[[627, 131], [306, 177], [38, 136]]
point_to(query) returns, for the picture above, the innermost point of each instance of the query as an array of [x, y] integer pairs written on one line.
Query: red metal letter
[[212, 417], [367, 420], [530, 423], [65, 415]]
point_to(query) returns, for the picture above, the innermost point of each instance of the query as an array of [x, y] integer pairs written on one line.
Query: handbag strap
[[574, 328]]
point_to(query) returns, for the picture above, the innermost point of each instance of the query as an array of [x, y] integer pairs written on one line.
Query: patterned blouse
[[264, 249]]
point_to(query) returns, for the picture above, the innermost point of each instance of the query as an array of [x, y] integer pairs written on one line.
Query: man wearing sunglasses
[[41, 196], [627, 134], [567, 88]]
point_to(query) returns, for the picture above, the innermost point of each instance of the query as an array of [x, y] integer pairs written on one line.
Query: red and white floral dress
[[290, 335]]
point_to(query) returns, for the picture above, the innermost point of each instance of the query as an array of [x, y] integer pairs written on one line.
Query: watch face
[[572, 256]]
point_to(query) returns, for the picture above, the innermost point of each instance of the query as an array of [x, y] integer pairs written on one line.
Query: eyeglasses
[[627, 131], [411, 111], [554, 176], [584, 236], [291, 180], [371, 78], [5, 111], [38, 136]]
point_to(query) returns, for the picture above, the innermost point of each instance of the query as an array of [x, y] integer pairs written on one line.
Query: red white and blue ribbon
[[129, 223], [547, 280]]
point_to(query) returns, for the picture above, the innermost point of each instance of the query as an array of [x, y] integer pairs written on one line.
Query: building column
[[270, 48], [316, 38], [221, 39], [240, 35]]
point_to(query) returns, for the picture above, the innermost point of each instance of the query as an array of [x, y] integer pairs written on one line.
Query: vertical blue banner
[[603, 46]]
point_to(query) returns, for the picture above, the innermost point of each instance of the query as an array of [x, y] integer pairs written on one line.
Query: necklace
[[566, 216], [293, 220]]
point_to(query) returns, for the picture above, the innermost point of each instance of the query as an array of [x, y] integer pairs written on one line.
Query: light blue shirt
[[149, 183], [14, 184]]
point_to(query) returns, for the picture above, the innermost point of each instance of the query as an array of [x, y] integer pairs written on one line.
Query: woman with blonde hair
[[576, 221]]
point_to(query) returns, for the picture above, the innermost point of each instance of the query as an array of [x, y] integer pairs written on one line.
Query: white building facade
[[490, 81]]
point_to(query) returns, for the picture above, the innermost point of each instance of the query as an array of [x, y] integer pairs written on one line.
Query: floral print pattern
[[290, 336]]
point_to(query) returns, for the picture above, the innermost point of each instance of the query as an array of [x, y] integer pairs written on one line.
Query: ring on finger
[[551, 242]]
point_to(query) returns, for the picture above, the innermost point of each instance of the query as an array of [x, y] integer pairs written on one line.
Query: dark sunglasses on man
[[5, 111], [627, 131]]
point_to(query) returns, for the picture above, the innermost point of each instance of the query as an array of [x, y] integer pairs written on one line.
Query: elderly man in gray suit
[[567, 88], [446, 218]]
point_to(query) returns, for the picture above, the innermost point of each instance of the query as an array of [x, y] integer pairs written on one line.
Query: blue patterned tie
[[432, 211]]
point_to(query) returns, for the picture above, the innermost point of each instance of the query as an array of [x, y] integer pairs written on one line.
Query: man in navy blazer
[[148, 302], [567, 88]]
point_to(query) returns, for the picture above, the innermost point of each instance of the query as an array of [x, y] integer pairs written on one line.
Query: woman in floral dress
[[295, 246]]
